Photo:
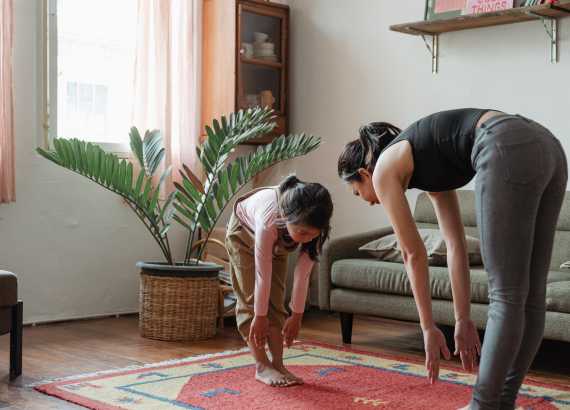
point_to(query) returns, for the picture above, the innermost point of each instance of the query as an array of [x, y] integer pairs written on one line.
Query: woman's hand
[[434, 344], [258, 331], [291, 328], [467, 343]]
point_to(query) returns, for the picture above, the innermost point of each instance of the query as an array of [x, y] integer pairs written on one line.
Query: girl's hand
[[258, 331], [434, 344], [291, 328], [467, 343]]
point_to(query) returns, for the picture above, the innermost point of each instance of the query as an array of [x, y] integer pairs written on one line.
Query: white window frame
[[121, 149]]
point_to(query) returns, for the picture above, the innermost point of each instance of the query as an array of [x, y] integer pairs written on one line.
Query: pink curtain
[[167, 72], [7, 171]]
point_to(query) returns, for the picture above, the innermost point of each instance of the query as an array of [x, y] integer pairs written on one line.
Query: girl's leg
[[242, 272], [276, 349], [264, 369], [508, 194], [278, 315]]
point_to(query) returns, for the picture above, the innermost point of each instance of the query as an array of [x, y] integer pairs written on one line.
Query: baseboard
[[77, 318]]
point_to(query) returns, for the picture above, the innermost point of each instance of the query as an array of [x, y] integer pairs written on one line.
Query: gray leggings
[[520, 185]]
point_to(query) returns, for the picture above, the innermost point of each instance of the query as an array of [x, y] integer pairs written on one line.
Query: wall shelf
[[547, 13]]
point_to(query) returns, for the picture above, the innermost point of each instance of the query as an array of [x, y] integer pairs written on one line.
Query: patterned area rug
[[335, 378]]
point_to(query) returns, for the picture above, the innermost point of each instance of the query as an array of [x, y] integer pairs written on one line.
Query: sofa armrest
[[345, 247]]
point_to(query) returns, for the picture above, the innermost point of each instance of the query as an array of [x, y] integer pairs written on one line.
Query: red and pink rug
[[335, 378]]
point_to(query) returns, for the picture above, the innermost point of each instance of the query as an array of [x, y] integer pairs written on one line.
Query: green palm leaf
[[116, 175], [203, 208], [149, 151]]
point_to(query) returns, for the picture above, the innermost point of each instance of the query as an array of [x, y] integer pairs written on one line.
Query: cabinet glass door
[[260, 62]]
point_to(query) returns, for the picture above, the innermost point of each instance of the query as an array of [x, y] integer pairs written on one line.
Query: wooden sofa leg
[[346, 327], [16, 341]]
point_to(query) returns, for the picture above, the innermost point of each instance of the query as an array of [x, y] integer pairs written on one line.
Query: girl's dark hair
[[364, 151], [308, 204]]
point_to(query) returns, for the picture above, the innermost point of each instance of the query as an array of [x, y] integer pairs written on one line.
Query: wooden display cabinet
[[239, 70]]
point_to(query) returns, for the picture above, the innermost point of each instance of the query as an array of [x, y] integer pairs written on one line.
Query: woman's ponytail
[[364, 151]]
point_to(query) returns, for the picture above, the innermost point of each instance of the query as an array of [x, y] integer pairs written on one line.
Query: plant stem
[[165, 248]]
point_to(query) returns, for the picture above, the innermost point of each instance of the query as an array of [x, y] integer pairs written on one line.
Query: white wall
[[347, 69], [73, 245]]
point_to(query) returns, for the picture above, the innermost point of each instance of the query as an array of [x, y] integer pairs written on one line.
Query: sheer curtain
[[7, 171], [167, 73]]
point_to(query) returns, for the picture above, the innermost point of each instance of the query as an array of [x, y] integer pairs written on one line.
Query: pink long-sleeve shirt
[[259, 213]]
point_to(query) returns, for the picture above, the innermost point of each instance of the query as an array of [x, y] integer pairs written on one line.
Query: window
[[91, 48]]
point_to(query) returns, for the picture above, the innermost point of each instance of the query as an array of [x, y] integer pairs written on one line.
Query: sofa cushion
[[558, 297], [8, 289], [389, 277]]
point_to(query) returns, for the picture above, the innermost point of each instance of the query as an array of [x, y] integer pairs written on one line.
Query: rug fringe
[[188, 359]]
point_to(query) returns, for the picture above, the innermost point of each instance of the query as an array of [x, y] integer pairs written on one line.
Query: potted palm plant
[[179, 300]]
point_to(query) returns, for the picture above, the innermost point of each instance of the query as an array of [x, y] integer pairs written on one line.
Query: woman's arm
[[389, 181], [467, 343], [414, 253], [446, 207]]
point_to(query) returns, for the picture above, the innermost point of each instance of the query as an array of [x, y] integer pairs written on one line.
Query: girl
[[265, 226], [521, 175]]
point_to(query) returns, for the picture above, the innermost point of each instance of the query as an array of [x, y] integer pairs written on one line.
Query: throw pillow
[[387, 248]]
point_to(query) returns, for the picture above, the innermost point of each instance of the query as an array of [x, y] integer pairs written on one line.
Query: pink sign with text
[[486, 6], [442, 6]]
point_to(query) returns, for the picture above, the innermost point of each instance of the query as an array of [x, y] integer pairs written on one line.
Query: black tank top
[[441, 146]]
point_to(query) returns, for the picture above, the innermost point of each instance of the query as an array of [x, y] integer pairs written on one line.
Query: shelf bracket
[[551, 27], [433, 49]]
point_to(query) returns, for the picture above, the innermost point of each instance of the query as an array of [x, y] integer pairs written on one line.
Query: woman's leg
[[509, 194], [535, 306]]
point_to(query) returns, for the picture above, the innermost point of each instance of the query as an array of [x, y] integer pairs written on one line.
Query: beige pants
[[240, 245]]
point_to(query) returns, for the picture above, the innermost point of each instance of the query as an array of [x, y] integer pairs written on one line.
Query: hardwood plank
[[71, 348]]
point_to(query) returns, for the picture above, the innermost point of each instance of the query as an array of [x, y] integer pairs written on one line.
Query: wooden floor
[[71, 348]]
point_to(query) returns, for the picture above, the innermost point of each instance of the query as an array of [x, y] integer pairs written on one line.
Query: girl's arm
[[301, 279], [265, 238]]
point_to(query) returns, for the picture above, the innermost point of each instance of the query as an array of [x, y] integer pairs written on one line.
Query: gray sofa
[[352, 282]]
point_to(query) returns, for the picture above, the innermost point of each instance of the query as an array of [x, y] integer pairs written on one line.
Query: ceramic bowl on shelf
[[264, 46], [260, 37]]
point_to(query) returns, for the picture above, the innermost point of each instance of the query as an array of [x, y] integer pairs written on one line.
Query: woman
[[521, 175]]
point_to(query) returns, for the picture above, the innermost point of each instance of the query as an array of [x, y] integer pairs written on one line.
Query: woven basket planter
[[178, 303]]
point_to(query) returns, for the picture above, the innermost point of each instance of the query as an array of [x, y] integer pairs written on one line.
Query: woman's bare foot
[[290, 376], [464, 408], [270, 376]]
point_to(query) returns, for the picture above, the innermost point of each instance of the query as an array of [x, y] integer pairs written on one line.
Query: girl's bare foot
[[270, 376], [290, 376]]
